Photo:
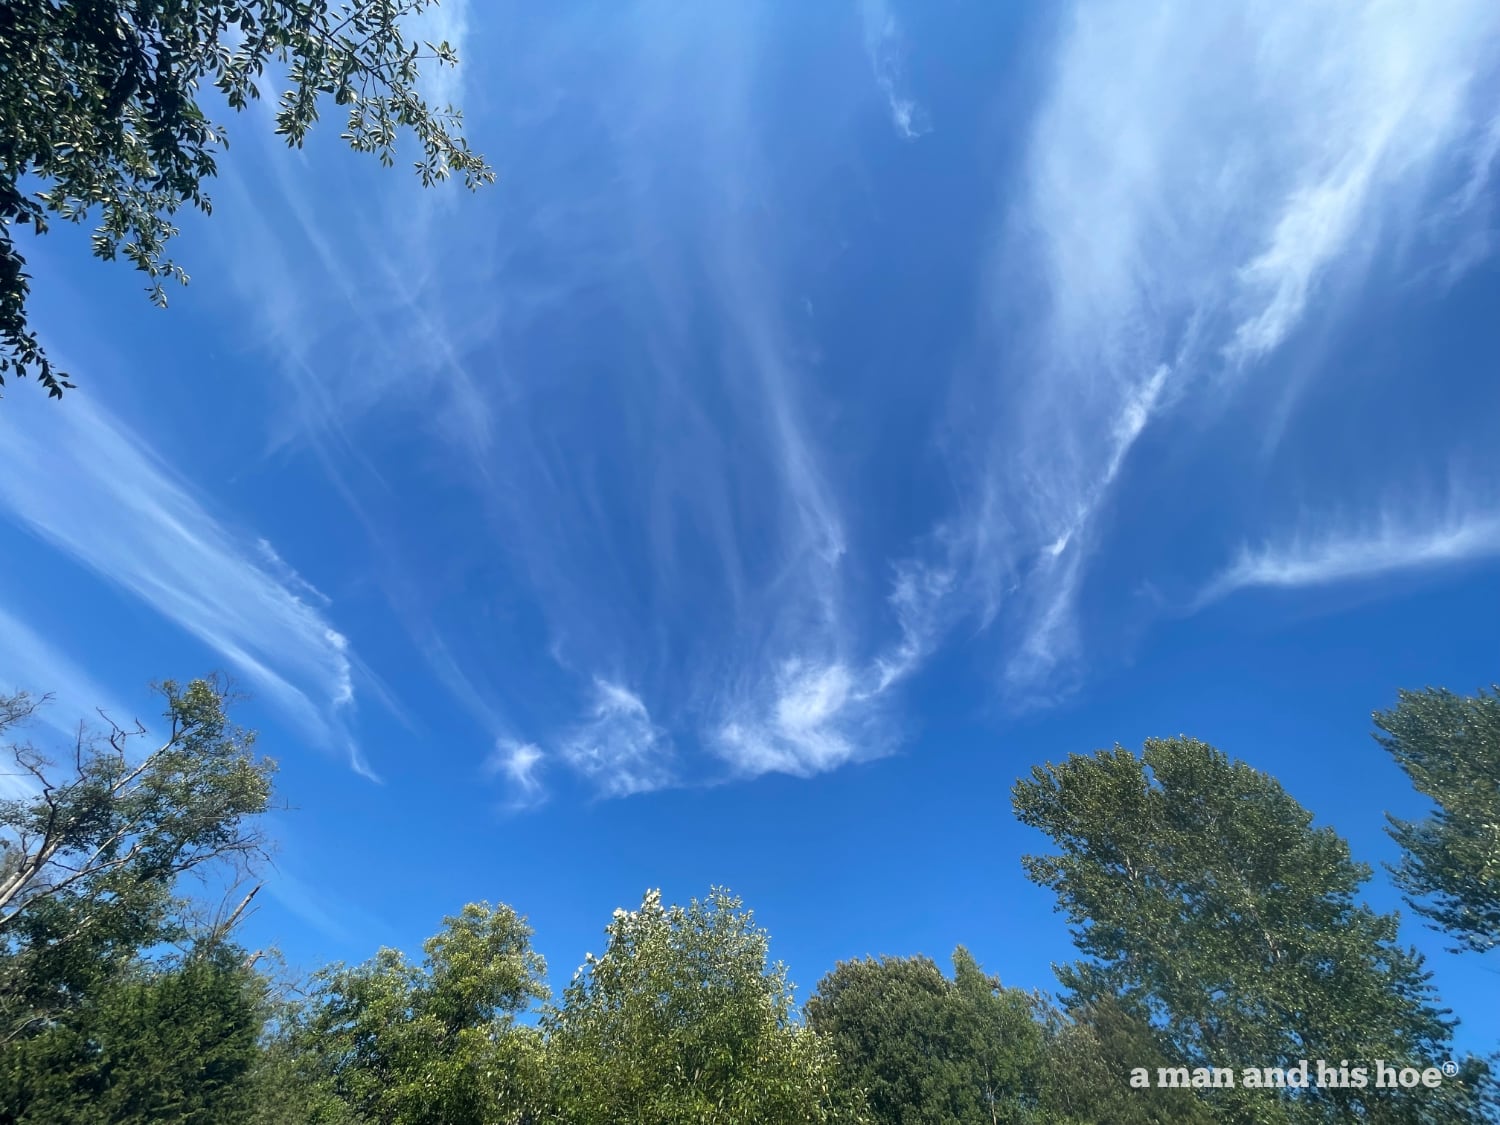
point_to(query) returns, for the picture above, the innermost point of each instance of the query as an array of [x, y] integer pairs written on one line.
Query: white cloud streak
[[1401, 540], [884, 44], [1197, 179], [88, 486], [815, 714], [807, 693], [700, 427], [802, 732]]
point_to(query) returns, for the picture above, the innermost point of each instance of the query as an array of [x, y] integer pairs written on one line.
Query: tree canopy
[[100, 1021], [684, 1019], [1218, 927], [428, 1044], [91, 856], [102, 113], [1090, 1052], [927, 1050], [161, 1041], [1205, 900], [1449, 745]]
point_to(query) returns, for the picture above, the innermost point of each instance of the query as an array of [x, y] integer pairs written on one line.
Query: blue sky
[[833, 411]]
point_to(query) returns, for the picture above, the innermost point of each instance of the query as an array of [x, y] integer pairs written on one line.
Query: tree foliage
[[1203, 898], [927, 1050], [91, 855], [682, 1020], [428, 1044], [160, 1042], [101, 113], [1449, 746], [1090, 1053], [1218, 927], [98, 1022]]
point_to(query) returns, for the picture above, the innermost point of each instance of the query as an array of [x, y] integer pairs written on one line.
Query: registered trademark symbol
[[1450, 1068]]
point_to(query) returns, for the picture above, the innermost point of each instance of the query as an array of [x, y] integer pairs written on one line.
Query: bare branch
[[221, 930]]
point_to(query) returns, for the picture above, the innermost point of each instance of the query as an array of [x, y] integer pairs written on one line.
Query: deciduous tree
[[91, 851], [1202, 897], [1089, 1057], [1449, 746], [429, 1044], [683, 1020], [927, 1050]]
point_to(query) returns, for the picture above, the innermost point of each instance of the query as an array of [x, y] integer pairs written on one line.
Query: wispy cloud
[[1399, 539], [919, 599], [1397, 93], [1195, 184], [289, 577], [809, 682], [712, 588], [802, 731], [1197, 179], [343, 299], [365, 303], [320, 906], [885, 45], [705, 574], [87, 485], [619, 749], [1470, 212], [519, 765], [814, 714]]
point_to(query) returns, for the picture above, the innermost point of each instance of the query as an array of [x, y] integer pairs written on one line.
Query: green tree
[[162, 1042], [926, 1050], [1089, 1055], [1203, 898], [1449, 746], [100, 109], [406, 1044], [682, 1020], [90, 856]]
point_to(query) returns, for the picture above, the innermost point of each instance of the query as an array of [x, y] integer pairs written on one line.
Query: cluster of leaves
[[100, 110], [1090, 1051], [681, 1019]]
